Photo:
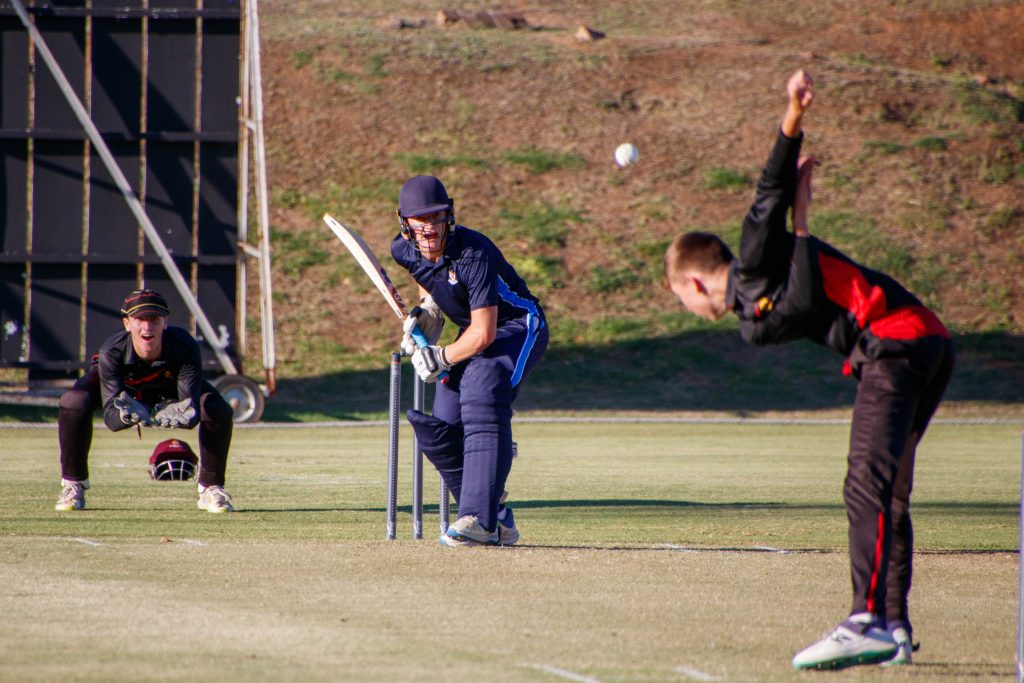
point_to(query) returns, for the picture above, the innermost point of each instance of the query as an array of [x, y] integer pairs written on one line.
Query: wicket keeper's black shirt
[[176, 374]]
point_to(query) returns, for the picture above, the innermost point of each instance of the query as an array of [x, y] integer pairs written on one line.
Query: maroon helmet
[[172, 460]]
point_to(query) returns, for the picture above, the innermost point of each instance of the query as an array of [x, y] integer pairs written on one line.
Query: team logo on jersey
[[453, 279], [763, 306]]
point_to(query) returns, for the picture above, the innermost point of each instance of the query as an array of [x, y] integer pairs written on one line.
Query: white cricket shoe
[[214, 499], [904, 647], [72, 495], [508, 534], [861, 639], [467, 531]]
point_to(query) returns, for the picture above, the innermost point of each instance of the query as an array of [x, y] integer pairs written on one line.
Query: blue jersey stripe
[[534, 324]]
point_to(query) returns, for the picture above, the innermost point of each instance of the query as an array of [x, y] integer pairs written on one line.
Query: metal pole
[[396, 390], [418, 387], [444, 508], [218, 345], [242, 190], [262, 202]]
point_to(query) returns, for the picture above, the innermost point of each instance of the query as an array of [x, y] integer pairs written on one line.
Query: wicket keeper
[[149, 374], [502, 336], [786, 286]]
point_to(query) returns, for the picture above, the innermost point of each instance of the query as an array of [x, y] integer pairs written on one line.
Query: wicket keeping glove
[[429, 362], [173, 413], [431, 321], [129, 410]]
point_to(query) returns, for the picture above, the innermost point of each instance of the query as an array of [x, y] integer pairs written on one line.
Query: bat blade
[[370, 264]]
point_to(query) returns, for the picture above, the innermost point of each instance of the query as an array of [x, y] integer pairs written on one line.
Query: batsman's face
[[147, 335], [429, 232]]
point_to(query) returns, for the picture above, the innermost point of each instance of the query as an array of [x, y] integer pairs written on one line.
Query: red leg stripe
[[877, 562]]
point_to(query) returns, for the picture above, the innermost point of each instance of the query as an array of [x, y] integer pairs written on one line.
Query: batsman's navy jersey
[[176, 374], [785, 287], [472, 273]]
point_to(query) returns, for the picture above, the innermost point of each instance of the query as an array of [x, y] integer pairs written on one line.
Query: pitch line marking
[[753, 548], [770, 549], [696, 674], [192, 541], [562, 673], [86, 541]]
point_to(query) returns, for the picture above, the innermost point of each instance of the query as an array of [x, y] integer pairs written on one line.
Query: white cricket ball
[[626, 154]]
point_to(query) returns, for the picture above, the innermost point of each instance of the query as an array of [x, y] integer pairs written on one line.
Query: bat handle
[[421, 341]]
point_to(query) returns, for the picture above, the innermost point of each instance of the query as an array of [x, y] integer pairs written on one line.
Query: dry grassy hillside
[[918, 121]]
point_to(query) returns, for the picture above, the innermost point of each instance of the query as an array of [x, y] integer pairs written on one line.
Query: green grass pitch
[[650, 552]]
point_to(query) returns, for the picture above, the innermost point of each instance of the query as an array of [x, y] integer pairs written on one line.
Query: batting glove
[[130, 410], [430, 320], [429, 362], [173, 413]]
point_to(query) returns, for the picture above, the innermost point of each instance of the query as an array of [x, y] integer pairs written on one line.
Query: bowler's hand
[[802, 198], [801, 94], [800, 90]]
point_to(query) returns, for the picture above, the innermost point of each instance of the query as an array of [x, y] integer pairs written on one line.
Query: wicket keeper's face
[[429, 232], [147, 335]]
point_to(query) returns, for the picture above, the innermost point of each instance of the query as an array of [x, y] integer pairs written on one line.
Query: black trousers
[[74, 430], [896, 399]]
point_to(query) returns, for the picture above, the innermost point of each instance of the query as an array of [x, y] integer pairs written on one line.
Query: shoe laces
[[844, 629], [837, 634], [70, 491], [216, 493], [861, 623], [467, 522]]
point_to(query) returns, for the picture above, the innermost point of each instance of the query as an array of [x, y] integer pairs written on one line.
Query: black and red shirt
[[785, 287], [176, 374]]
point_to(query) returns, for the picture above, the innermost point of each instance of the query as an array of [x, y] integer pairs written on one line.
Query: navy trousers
[[476, 404]]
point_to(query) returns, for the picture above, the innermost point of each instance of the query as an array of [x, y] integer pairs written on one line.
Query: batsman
[[502, 336]]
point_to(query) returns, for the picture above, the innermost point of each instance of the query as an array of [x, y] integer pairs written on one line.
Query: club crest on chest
[[763, 307], [453, 278]]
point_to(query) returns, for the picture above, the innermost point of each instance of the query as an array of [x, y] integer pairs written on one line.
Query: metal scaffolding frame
[[245, 396]]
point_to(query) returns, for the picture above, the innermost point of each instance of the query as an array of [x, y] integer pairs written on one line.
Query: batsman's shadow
[[582, 503], [331, 509], [637, 503]]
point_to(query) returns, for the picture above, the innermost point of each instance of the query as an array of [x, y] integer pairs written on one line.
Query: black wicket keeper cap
[[143, 302], [421, 195], [172, 460]]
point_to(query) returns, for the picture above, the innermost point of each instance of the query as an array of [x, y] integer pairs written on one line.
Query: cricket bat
[[368, 261]]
